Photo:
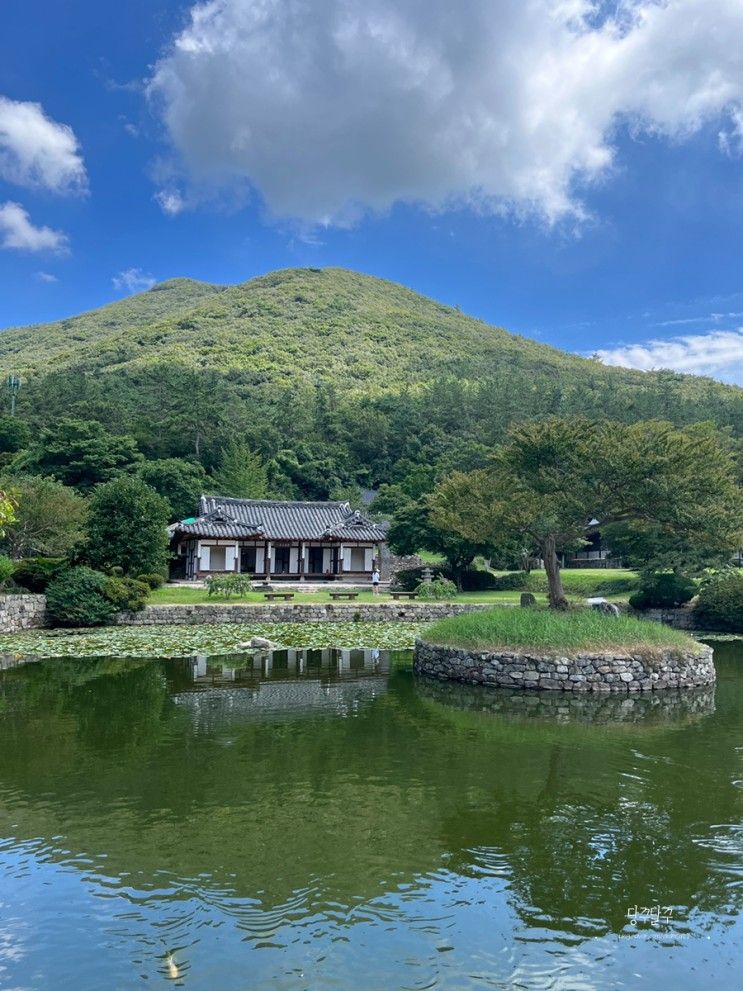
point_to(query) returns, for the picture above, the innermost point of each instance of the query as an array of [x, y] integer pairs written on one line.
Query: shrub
[[6, 569], [665, 590], [126, 593], [35, 573], [472, 580], [512, 581], [228, 585], [151, 581], [720, 603], [77, 597], [438, 588]]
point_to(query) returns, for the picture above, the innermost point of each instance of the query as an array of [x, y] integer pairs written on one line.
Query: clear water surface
[[323, 820]]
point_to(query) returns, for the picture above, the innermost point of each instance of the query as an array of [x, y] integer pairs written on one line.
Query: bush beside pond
[[720, 603]]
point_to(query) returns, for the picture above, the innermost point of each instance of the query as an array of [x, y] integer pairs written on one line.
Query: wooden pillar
[[267, 564]]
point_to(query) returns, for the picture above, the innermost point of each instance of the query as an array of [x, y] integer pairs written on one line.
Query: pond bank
[[298, 612]]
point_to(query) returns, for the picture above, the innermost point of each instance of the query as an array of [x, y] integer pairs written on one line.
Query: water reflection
[[674, 706], [323, 820], [281, 684]]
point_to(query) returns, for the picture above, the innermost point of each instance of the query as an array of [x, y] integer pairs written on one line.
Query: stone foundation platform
[[586, 672]]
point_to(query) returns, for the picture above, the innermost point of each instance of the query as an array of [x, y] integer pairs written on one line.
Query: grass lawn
[[614, 584], [544, 629], [181, 595]]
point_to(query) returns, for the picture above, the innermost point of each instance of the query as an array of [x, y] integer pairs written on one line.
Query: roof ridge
[[280, 502]]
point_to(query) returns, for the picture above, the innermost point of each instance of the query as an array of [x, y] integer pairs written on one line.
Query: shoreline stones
[[585, 672]]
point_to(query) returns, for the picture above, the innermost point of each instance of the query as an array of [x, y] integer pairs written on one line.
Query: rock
[[258, 643], [604, 606], [527, 600]]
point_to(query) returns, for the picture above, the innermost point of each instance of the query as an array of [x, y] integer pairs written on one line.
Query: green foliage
[[180, 482], [720, 602], [127, 527], [80, 453], [549, 630], [49, 519], [551, 477], [412, 386], [35, 573], [126, 593], [241, 473], [6, 569], [514, 581], [15, 434], [77, 597], [8, 508], [152, 581], [228, 585], [471, 580], [438, 588], [665, 590], [205, 638]]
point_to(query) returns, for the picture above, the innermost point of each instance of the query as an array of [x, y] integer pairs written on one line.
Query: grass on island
[[552, 632]]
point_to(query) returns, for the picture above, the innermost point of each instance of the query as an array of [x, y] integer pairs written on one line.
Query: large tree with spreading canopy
[[551, 478]]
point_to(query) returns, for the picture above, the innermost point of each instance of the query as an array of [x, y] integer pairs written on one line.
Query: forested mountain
[[336, 379]]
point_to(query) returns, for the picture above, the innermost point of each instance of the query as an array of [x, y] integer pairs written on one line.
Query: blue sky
[[569, 170]]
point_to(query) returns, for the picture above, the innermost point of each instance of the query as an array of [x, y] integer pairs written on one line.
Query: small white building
[[276, 540]]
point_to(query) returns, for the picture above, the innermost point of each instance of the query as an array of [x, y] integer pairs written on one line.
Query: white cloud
[[331, 108], [46, 277], [19, 233], [170, 201], [36, 151], [718, 354], [133, 280]]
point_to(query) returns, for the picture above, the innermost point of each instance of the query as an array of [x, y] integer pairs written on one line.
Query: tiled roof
[[246, 518]]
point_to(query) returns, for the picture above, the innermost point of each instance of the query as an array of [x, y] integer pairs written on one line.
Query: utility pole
[[14, 384]]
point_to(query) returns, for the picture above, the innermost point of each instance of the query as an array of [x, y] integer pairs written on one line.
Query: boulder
[[527, 600]]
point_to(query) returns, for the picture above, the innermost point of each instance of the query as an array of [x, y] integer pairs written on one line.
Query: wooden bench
[[344, 595], [404, 595], [270, 596]]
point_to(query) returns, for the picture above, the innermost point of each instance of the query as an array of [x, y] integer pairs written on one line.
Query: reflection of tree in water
[[584, 819]]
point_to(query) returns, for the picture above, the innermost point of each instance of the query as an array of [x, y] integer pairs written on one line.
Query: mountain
[[350, 374], [311, 324]]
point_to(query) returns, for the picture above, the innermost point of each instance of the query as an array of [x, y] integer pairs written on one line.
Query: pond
[[318, 819]]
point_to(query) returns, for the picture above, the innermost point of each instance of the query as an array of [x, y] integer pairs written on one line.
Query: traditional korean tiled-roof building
[[276, 540]]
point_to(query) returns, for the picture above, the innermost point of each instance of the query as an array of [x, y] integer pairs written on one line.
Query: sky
[[570, 170]]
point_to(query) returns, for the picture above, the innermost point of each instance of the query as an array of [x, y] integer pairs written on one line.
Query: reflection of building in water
[[279, 683]]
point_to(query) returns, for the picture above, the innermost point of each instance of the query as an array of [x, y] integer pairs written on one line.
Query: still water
[[322, 820]]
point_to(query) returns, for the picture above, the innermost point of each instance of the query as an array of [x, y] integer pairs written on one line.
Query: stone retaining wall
[[22, 612], [347, 612], [615, 672]]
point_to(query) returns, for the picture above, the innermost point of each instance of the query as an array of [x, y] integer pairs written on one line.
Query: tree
[[49, 520], [127, 527], [8, 508], [81, 453], [241, 473], [15, 434], [180, 482], [552, 477]]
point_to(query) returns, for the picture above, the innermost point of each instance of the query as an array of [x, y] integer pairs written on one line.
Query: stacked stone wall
[[22, 612], [290, 612], [587, 672]]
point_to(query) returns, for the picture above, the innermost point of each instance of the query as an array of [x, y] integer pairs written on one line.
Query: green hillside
[[295, 324], [350, 375]]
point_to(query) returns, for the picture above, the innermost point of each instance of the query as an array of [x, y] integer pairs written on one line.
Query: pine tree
[[241, 473]]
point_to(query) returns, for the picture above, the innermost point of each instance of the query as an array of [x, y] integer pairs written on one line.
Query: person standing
[[375, 581]]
